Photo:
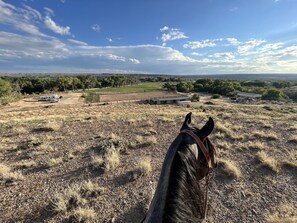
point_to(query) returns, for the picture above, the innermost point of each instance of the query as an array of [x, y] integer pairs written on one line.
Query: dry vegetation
[[101, 163]]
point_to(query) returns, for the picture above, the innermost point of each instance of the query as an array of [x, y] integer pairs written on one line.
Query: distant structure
[[50, 98], [245, 97], [171, 100]]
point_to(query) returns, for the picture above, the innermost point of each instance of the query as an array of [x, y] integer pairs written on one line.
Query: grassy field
[[144, 87], [80, 163]]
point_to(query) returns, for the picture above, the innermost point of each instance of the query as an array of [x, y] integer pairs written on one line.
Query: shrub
[[196, 97], [216, 96]]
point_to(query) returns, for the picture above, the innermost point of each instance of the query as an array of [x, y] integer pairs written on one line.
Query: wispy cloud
[[169, 34], [77, 42], [49, 12], [22, 19], [243, 48], [50, 24], [233, 41], [96, 28], [224, 55], [201, 44], [109, 40]]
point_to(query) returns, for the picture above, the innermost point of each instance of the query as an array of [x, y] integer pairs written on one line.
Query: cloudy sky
[[149, 36]]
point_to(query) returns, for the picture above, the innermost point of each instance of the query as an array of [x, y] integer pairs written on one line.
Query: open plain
[[71, 162]]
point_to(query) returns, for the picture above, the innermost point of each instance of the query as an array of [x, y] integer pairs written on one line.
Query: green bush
[[5, 88], [196, 97], [216, 96]]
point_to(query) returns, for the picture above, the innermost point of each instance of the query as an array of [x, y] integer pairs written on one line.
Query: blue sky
[[149, 36]]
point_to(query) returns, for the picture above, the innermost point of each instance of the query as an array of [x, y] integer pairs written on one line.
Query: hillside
[[74, 162]]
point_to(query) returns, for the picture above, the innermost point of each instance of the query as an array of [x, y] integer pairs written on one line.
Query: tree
[[273, 94], [169, 87], [5, 88], [184, 86]]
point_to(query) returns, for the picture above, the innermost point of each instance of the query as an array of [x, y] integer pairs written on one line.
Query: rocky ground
[[100, 163]]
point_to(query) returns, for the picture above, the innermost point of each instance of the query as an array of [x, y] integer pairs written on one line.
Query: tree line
[[270, 90]]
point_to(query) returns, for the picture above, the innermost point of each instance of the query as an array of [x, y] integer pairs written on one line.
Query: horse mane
[[184, 200]]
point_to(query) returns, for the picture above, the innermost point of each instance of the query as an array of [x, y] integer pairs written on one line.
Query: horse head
[[206, 154]]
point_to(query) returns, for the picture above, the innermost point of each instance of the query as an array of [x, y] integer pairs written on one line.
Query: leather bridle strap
[[200, 145]]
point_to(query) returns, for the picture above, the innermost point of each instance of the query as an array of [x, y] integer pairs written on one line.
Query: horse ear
[[187, 121], [207, 128]]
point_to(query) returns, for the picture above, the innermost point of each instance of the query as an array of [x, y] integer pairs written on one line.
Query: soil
[[73, 131]]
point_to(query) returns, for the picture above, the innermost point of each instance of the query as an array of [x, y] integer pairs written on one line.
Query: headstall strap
[[200, 145], [209, 162]]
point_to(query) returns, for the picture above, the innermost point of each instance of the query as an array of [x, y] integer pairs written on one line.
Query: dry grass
[[293, 139], [97, 161], [283, 213], [230, 168], [26, 164], [267, 161], [150, 131], [145, 166], [71, 197], [112, 159], [265, 135], [54, 162], [77, 199], [293, 127], [256, 145], [91, 190], [115, 138], [139, 139], [85, 214], [54, 125], [291, 159], [224, 145], [8, 176], [151, 140]]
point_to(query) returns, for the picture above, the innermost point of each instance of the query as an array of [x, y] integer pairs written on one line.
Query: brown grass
[[256, 145], [145, 166], [8, 176], [85, 214], [283, 213], [266, 135], [267, 161], [230, 168], [112, 159]]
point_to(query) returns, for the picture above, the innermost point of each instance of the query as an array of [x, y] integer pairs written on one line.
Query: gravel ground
[[74, 134]]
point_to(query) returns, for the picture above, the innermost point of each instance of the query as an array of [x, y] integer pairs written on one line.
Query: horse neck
[[157, 207]]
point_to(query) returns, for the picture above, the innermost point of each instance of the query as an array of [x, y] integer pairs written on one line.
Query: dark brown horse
[[190, 158]]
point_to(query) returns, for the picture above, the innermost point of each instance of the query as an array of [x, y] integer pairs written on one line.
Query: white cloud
[[50, 24], [135, 61], [165, 28], [249, 45], [109, 40], [200, 44], [169, 34], [23, 19], [96, 28], [49, 12], [225, 55], [196, 54], [233, 41], [77, 42], [30, 13], [63, 1]]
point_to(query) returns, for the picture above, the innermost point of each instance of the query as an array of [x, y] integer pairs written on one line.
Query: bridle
[[210, 162]]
